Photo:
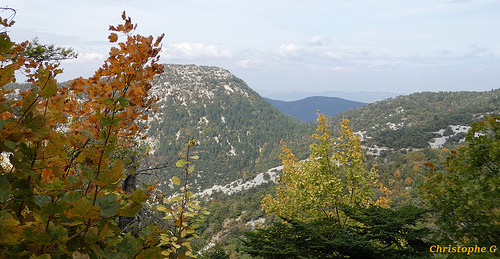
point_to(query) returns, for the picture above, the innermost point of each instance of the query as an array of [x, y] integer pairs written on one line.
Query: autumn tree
[[60, 192], [334, 174], [465, 195]]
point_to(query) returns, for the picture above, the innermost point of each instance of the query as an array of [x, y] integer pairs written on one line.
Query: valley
[[241, 136]]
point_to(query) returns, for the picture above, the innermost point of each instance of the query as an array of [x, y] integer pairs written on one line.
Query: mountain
[[239, 132], [306, 109], [419, 120], [365, 97]]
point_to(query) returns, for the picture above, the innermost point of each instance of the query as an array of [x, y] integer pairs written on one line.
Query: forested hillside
[[239, 133], [412, 121]]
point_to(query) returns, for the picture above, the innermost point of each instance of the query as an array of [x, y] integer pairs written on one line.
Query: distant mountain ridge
[[306, 109], [362, 96]]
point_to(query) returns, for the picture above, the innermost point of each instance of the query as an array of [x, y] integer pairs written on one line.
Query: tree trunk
[[128, 185]]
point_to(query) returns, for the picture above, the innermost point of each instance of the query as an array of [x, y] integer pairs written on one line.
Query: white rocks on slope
[[240, 185]]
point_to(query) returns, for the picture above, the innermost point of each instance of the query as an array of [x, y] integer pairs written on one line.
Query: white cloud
[[187, 50], [251, 63], [289, 50], [328, 68], [337, 68], [317, 41], [86, 57]]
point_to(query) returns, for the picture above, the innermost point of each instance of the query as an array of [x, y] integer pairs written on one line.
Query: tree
[[334, 174], [181, 211], [465, 196], [47, 53], [60, 191], [378, 233]]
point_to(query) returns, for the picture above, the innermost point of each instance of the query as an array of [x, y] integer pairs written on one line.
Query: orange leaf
[[47, 174], [113, 37]]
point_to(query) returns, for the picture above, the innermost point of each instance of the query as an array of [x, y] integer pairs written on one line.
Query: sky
[[280, 47]]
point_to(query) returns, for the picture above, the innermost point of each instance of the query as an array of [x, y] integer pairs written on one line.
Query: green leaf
[[131, 210], [163, 208], [5, 43], [106, 121], [108, 204], [7, 74], [92, 235], [190, 169], [176, 180], [180, 163], [113, 176], [28, 101], [56, 207], [123, 101], [56, 232], [49, 89], [108, 102], [192, 143], [4, 188], [138, 196], [129, 246], [40, 200]]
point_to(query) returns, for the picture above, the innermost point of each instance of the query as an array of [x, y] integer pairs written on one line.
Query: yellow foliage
[[333, 174]]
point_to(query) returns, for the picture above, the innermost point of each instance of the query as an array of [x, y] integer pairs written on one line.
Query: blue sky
[[285, 46]]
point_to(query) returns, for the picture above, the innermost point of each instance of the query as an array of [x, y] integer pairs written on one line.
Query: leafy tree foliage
[[60, 180], [333, 174], [45, 53], [402, 173], [465, 196], [181, 211], [378, 233]]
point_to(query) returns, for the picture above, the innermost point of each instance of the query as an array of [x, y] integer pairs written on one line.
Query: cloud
[[289, 50], [328, 68], [317, 41], [251, 63], [337, 68], [86, 57], [187, 50]]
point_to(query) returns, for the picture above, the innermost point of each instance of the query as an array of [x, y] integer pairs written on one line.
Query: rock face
[[237, 130]]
